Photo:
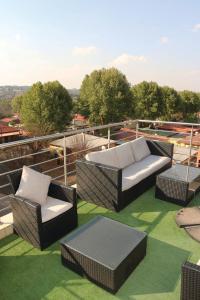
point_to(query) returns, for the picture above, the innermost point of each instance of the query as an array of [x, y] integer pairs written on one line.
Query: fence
[[38, 152]]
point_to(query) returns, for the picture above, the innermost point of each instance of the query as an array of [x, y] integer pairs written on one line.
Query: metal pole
[[108, 137], [191, 136], [65, 159], [137, 128]]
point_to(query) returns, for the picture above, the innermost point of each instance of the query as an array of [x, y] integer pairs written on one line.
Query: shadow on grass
[[158, 273], [35, 275]]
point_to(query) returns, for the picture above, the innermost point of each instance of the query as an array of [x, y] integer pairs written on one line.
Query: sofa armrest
[[61, 192], [98, 183], [25, 210], [160, 148]]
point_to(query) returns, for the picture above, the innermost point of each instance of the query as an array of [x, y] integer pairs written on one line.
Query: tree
[[105, 96], [148, 100], [172, 104], [190, 105], [17, 103], [46, 108], [5, 108]]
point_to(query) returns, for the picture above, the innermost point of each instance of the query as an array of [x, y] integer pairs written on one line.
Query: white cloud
[[84, 50], [164, 40], [125, 59], [196, 27]]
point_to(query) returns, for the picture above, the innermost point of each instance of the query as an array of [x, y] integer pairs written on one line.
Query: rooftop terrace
[[28, 273]]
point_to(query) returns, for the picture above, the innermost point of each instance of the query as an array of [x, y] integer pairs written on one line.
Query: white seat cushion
[[140, 148], [53, 208], [34, 185], [106, 157], [142, 169], [124, 155]]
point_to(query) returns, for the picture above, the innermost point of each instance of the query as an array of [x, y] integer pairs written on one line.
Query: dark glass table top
[[179, 172], [104, 240]]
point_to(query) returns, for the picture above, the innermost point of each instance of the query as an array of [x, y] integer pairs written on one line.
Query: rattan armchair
[[27, 219]]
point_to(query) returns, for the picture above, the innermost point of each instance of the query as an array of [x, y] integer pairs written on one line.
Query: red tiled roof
[[7, 129], [79, 117], [177, 128], [10, 119]]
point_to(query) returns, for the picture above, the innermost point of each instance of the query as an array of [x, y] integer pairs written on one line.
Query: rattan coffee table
[[175, 186], [105, 251]]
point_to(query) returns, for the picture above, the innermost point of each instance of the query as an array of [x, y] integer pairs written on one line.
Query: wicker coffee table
[[173, 185], [105, 251]]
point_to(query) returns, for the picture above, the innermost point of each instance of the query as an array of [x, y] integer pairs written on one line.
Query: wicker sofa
[[114, 183]]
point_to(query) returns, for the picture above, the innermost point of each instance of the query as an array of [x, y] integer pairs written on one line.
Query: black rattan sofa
[[27, 220], [102, 184]]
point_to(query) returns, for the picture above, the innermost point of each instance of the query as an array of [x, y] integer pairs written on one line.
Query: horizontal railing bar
[[50, 170], [40, 163], [4, 197], [4, 185], [60, 176], [23, 156], [44, 151], [169, 122], [4, 208], [59, 135], [68, 173]]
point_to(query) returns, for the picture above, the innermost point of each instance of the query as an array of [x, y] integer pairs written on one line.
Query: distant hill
[[10, 91], [74, 92]]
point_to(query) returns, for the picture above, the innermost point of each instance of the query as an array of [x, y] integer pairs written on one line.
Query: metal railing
[[66, 170]]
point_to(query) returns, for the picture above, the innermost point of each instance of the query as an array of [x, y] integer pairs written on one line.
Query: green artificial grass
[[29, 274]]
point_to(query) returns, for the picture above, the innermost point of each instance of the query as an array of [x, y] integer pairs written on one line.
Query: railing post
[[65, 159], [108, 137], [190, 152], [137, 128]]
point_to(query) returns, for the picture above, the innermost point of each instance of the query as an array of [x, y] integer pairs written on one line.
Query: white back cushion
[[106, 157], [33, 186], [140, 148], [124, 155]]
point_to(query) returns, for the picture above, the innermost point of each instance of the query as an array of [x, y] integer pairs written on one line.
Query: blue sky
[[64, 40]]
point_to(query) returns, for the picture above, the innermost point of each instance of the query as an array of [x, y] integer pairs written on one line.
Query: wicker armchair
[[27, 217], [190, 281]]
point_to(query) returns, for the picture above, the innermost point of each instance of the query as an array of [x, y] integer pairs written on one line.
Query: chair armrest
[[25, 209], [161, 148], [64, 193]]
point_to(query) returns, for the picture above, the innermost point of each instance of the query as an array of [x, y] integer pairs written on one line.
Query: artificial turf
[[29, 274]]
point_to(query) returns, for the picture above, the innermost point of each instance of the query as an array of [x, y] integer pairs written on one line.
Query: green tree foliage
[[45, 108], [17, 103], [190, 105], [5, 108], [172, 103], [148, 100], [105, 96]]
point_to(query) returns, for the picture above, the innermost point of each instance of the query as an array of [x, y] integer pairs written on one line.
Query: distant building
[[8, 134], [13, 119], [79, 120]]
